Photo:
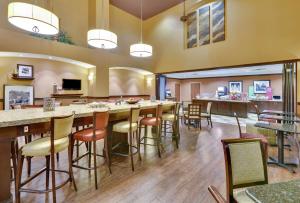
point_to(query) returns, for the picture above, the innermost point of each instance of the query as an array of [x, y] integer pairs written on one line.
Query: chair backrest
[[208, 108], [245, 164], [238, 122], [100, 120], [194, 110], [256, 110], [134, 114], [61, 127]]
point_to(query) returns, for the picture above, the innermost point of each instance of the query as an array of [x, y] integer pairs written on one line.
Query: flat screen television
[[71, 84]]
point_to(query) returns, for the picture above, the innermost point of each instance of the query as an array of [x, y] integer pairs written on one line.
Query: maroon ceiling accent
[[150, 7]]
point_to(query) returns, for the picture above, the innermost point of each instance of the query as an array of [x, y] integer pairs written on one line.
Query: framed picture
[[235, 86], [18, 95], [260, 86], [25, 71]]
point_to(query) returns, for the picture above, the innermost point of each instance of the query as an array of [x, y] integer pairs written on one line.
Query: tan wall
[[256, 31], [126, 82], [46, 73], [210, 85]]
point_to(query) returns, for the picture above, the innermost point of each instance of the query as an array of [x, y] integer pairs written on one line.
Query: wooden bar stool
[[91, 136], [131, 128], [154, 122], [61, 129], [172, 118]]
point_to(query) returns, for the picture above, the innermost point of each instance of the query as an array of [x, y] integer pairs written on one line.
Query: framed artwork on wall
[[192, 30], [204, 25], [260, 86], [17, 95], [218, 21], [235, 86], [24, 71]]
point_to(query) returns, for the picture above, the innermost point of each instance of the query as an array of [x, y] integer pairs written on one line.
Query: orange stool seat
[[150, 121], [87, 135]]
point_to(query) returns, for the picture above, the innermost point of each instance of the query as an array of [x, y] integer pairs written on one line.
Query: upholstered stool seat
[[150, 121], [168, 117], [124, 127], [42, 147], [87, 135]]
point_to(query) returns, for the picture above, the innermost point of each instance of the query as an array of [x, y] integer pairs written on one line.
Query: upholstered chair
[[91, 135], [58, 141], [130, 127], [245, 165], [153, 121], [207, 114], [193, 114], [172, 119]]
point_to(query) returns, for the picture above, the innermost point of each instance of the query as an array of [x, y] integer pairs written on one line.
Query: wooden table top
[[19, 117]]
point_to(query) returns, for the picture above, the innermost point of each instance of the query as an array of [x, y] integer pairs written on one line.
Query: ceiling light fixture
[[141, 49], [33, 18], [101, 38]]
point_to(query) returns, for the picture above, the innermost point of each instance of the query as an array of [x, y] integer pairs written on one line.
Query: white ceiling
[[226, 72]]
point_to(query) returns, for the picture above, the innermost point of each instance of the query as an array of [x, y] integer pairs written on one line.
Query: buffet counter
[[241, 107]]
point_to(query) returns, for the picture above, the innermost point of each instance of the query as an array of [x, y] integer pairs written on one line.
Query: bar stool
[[172, 118], [154, 122], [91, 136], [130, 127], [61, 129]]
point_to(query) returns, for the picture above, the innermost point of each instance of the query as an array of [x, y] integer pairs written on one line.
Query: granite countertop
[[37, 115]]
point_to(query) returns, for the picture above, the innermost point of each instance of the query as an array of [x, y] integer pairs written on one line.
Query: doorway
[[177, 92], [195, 90]]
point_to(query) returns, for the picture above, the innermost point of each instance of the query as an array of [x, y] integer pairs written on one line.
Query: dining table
[[18, 122], [277, 112], [282, 192], [280, 118], [281, 129]]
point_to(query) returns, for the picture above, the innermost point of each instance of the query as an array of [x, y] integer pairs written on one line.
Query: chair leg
[[47, 171], [207, 120], [158, 140], [77, 148], [107, 154], [175, 134], [139, 142], [57, 157], [211, 125], [70, 159], [28, 159], [14, 160], [130, 151], [95, 164], [145, 135], [90, 155], [19, 176], [53, 177], [189, 123], [165, 127], [200, 124]]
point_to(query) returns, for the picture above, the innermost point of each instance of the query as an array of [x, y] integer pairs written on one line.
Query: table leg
[[5, 176]]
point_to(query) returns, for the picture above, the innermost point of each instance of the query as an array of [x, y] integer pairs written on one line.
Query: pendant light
[[141, 49], [33, 18], [101, 38]]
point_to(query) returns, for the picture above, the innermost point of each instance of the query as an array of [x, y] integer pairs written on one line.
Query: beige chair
[[245, 166], [130, 127], [207, 115], [59, 140], [173, 120]]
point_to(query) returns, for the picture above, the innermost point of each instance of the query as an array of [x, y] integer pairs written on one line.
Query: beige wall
[[46, 73], [256, 31], [126, 82], [210, 85]]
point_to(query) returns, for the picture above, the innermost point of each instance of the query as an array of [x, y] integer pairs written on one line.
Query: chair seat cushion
[[149, 121], [86, 135], [240, 196], [168, 117], [205, 115], [42, 147], [254, 136], [124, 127]]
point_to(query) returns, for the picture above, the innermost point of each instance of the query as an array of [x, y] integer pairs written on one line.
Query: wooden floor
[[179, 176]]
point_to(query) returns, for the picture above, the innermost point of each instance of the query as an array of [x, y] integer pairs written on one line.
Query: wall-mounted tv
[[71, 84]]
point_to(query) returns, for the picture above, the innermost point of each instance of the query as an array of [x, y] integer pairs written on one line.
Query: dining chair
[[193, 114], [245, 167], [258, 113], [91, 135], [130, 127], [172, 119], [252, 136], [153, 121], [58, 141], [207, 115]]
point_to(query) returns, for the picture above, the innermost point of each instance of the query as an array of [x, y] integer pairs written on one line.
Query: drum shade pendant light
[[33, 18], [141, 49], [101, 38]]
